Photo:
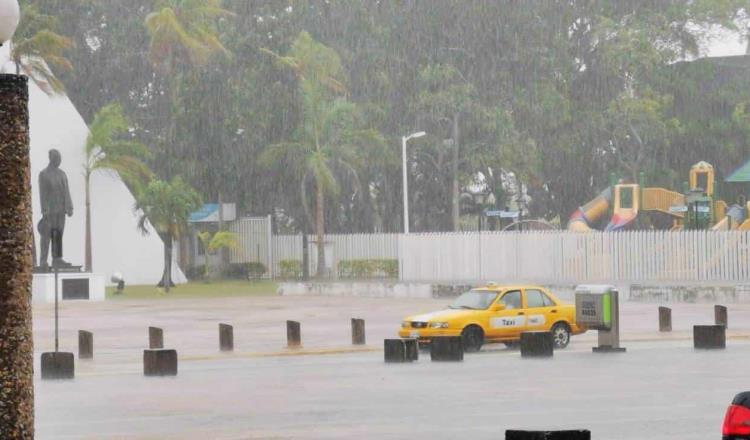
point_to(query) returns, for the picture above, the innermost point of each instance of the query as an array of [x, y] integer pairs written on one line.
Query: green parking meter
[[598, 308]]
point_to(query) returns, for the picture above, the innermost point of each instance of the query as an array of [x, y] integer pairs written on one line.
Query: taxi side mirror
[[497, 307]]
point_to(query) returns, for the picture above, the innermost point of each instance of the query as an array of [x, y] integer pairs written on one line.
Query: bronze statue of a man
[[56, 204]]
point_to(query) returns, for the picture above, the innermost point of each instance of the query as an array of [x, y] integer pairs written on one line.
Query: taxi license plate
[[414, 334]]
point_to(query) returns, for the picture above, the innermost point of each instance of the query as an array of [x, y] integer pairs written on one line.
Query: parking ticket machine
[[597, 308]]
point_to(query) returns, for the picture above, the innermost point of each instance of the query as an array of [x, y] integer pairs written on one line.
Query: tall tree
[[329, 132], [110, 147], [183, 36]]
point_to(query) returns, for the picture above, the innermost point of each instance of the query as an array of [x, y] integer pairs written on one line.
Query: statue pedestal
[[71, 286]]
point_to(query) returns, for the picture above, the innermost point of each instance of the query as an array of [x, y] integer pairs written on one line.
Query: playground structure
[[635, 206]]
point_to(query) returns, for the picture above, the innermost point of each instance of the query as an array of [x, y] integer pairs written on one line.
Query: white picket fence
[[534, 256], [254, 241], [564, 257]]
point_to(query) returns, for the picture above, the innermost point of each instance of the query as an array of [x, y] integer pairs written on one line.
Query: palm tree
[[215, 242], [36, 46], [167, 206], [328, 136], [183, 32], [183, 37], [109, 147]]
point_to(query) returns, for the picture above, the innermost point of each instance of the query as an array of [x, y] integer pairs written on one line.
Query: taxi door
[[509, 322], [540, 310]]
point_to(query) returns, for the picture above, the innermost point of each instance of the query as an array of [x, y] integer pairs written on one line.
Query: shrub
[[195, 273], [290, 269], [236, 271], [364, 269], [255, 270]]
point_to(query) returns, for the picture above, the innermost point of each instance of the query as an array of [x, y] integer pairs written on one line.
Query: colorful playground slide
[[620, 221], [625, 206], [735, 219], [585, 217], [695, 209]]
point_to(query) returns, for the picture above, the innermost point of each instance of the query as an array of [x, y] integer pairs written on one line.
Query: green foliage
[[218, 240], [290, 269], [325, 144], [183, 32], [368, 269], [256, 270], [167, 206], [37, 46], [316, 96], [215, 242], [233, 271], [110, 146]]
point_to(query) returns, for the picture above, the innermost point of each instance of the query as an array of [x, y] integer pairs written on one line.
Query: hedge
[[363, 269], [290, 269]]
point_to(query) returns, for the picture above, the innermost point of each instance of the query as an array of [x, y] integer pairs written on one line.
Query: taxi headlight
[[438, 325]]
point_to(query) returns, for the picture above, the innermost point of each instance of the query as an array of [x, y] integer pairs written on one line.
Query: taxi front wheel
[[473, 338], [561, 335]]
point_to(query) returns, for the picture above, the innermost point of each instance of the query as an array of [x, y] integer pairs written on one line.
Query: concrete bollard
[[548, 435], [665, 319], [58, 365], [394, 350], [720, 316], [537, 344], [447, 348], [160, 362], [155, 338], [412, 349], [709, 336], [358, 331], [85, 345], [293, 334], [226, 337]]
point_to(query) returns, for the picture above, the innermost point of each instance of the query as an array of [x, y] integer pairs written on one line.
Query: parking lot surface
[[661, 388]]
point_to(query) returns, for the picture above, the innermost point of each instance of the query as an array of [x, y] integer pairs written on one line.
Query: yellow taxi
[[496, 314]]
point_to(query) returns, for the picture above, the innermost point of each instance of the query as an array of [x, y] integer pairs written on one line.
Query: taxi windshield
[[474, 300]]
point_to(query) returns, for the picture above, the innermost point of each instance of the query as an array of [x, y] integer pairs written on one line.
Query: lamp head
[[418, 134], [10, 15]]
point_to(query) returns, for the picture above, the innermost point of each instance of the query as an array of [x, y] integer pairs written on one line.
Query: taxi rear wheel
[[561, 335], [473, 338]]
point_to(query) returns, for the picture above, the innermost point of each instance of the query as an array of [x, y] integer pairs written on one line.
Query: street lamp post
[[481, 199], [405, 139], [17, 349]]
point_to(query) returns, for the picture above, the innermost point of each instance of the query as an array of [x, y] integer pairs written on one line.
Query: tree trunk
[[454, 170], [17, 348], [166, 278], [205, 262], [224, 252], [320, 228], [88, 224]]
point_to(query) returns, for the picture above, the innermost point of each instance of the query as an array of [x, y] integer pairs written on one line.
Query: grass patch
[[198, 289]]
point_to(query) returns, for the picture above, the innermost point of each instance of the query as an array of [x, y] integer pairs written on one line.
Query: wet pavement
[[660, 389]]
